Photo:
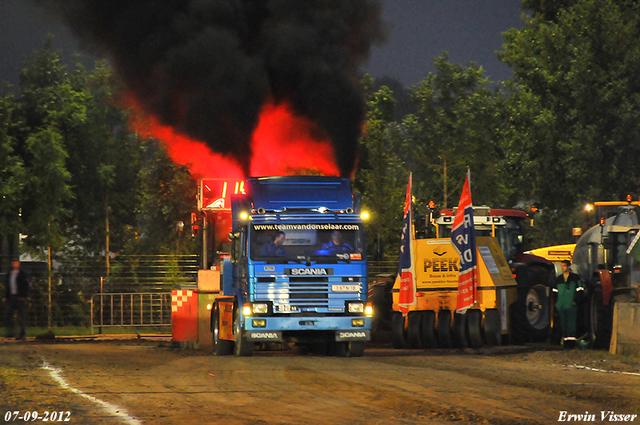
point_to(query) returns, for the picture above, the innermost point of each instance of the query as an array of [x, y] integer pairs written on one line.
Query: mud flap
[[226, 319], [353, 335]]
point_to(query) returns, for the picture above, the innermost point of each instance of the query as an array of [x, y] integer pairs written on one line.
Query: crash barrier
[[130, 309], [625, 337]]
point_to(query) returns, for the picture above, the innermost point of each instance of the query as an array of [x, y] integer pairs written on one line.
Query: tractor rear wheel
[[533, 293], [600, 319]]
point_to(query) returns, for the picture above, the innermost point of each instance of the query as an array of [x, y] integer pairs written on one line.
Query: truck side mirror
[[236, 246]]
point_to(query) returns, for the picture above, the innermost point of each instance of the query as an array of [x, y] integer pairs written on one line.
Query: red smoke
[[285, 144], [282, 144]]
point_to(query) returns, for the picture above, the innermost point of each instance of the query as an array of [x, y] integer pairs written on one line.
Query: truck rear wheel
[[492, 330], [221, 347], [242, 347], [474, 326], [429, 337], [382, 311], [414, 329], [397, 330], [444, 329], [460, 337]]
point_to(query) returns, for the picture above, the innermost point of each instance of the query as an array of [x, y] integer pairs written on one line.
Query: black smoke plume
[[206, 67]]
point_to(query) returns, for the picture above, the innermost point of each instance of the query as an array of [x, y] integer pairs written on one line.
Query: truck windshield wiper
[[330, 259], [275, 260]]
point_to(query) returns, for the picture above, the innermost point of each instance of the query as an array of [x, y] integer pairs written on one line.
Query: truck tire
[[474, 328], [414, 329], [350, 348], [397, 330], [518, 325], [355, 348], [429, 336], [600, 319], [492, 329], [221, 347], [381, 303], [242, 347], [460, 337], [533, 292], [444, 329]]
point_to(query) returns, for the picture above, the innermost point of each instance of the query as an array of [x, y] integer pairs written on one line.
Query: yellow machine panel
[[437, 267], [226, 319], [556, 253]]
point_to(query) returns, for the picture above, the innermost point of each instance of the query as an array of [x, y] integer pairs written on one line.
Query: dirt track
[[153, 382]]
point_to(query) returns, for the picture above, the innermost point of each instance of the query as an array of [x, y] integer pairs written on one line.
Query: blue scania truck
[[298, 269]]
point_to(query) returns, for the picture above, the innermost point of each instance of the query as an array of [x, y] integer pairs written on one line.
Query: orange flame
[[286, 144], [282, 144]]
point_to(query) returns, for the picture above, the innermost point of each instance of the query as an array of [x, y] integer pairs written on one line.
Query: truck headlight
[[357, 307], [260, 308]]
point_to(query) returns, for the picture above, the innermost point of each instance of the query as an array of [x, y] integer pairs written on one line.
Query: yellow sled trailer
[[432, 321]]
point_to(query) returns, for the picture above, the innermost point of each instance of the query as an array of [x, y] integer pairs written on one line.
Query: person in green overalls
[[569, 291]]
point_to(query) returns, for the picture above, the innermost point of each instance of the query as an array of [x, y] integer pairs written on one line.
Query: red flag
[[463, 238], [406, 267]]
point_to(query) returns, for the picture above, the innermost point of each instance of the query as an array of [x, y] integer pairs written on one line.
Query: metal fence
[[151, 309]]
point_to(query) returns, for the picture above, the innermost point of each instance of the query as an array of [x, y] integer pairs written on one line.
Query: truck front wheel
[[242, 347], [350, 348]]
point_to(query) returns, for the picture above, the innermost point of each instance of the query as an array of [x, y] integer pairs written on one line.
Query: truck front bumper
[[276, 329]]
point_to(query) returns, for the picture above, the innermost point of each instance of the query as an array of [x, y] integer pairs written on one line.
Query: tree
[[51, 108], [12, 171], [104, 158], [167, 196], [455, 127], [381, 176], [576, 64]]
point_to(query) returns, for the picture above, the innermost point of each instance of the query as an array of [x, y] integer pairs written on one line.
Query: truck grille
[[309, 293]]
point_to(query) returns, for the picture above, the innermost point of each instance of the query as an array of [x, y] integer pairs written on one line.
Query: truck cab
[[298, 269]]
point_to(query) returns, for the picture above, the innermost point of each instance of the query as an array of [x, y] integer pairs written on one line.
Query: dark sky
[[470, 30]]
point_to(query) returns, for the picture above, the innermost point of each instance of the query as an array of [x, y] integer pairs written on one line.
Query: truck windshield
[[307, 242]]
